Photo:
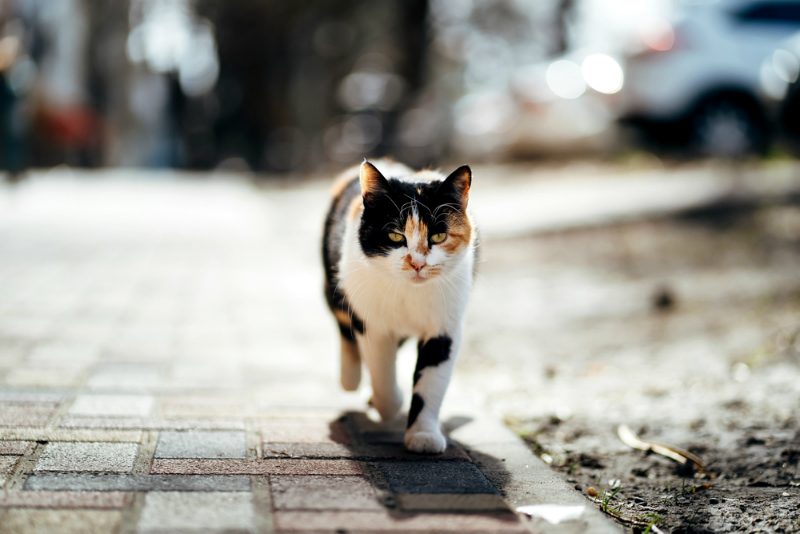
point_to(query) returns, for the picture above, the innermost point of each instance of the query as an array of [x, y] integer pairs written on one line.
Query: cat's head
[[416, 230]]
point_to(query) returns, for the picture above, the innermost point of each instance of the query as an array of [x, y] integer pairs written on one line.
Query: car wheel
[[728, 128]]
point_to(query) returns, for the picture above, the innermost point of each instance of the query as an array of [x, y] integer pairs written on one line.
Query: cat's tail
[[351, 364]]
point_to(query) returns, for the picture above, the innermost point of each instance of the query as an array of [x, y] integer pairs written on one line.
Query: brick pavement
[[167, 365]]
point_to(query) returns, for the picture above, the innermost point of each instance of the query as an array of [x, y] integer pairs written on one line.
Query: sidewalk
[[167, 364]]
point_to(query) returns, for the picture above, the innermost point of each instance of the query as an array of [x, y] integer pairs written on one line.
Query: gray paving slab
[[98, 482], [434, 477], [323, 493], [98, 457], [213, 511], [201, 445]]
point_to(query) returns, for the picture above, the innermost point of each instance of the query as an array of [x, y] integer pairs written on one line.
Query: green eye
[[395, 237], [438, 238]]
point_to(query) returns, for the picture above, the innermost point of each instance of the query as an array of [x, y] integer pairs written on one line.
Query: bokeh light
[[565, 79], [602, 73]]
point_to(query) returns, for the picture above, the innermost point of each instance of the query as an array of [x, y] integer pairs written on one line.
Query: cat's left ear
[[458, 183]]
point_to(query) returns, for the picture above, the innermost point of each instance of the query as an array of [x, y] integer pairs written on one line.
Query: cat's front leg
[[379, 352], [435, 362]]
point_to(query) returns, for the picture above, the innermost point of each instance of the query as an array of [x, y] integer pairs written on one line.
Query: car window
[[783, 13]]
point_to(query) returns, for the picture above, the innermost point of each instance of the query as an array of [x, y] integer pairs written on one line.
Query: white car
[[696, 77]]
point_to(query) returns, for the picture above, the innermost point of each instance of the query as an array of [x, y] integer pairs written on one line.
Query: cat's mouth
[[420, 278]]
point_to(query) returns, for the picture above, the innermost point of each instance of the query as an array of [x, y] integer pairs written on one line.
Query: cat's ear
[[373, 184], [457, 185]]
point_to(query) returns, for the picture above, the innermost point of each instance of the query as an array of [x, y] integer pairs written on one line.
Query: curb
[[522, 478]]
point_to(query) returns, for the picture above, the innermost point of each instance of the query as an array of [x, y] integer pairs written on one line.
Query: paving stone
[[45, 377], [126, 378], [7, 464], [358, 521], [60, 521], [57, 434], [14, 447], [64, 499], [101, 457], [31, 396], [288, 431], [152, 423], [201, 445], [112, 405], [173, 409], [435, 477], [95, 482], [323, 493], [450, 502], [257, 467], [213, 511], [307, 450], [64, 353], [25, 413]]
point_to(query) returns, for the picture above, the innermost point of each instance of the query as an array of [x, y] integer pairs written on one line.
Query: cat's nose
[[417, 264]]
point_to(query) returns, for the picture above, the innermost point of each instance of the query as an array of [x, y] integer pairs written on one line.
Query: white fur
[[396, 304]]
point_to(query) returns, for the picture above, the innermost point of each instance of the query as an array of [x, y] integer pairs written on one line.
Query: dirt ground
[[686, 329]]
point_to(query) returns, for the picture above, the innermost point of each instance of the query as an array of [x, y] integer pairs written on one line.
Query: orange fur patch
[[460, 233], [342, 316], [422, 228]]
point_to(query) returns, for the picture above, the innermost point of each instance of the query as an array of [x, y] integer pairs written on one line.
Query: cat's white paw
[[425, 442]]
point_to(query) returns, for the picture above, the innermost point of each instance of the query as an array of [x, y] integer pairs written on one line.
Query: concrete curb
[[521, 477]]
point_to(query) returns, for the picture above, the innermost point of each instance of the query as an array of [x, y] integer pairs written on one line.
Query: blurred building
[[284, 86]]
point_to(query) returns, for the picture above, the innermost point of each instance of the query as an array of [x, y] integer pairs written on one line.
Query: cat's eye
[[394, 236], [438, 238]]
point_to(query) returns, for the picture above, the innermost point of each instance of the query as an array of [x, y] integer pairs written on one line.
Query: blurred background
[[273, 86], [635, 185]]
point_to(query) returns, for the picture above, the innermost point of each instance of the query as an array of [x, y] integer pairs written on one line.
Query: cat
[[399, 250]]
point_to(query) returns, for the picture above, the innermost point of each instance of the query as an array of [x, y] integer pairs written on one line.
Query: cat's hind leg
[[350, 359], [435, 362]]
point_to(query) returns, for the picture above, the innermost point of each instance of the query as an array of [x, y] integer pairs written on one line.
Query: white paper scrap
[[552, 513]]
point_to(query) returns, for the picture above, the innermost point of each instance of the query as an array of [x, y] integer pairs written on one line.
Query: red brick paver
[[256, 467]]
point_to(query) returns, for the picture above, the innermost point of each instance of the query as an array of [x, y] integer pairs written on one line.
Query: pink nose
[[417, 265]]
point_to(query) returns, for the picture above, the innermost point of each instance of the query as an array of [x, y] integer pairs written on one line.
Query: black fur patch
[[387, 211], [431, 353], [347, 332], [416, 406], [335, 225]]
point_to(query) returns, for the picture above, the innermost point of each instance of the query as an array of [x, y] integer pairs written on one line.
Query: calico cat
[[399, 250]]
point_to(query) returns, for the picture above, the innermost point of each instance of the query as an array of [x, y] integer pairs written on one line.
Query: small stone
[[713, 500], [592, 492]]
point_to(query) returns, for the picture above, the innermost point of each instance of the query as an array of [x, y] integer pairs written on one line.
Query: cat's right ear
[[373, 184]]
